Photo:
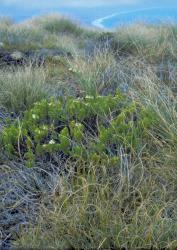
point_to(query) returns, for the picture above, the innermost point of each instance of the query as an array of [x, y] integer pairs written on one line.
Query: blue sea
[[105, 14], [154, 15]]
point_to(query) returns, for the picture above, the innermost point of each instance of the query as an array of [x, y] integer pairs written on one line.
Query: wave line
[[99, 22]]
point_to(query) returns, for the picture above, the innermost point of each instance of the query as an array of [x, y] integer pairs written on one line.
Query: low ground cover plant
[[86, 128]]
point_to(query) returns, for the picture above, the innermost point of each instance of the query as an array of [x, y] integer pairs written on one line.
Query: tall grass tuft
[[58, 24], [21, 87], [126, 206], [154, 43], [94, 74]]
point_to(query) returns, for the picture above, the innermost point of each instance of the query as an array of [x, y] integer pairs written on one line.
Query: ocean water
[[102, 15], [154, 15]]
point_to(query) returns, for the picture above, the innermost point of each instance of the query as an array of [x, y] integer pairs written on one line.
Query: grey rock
[[43, 54], [37, 56], [17, 55], [11, 58], [1, 44]]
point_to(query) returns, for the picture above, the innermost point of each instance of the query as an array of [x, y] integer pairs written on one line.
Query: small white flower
[[77, 124], [72, 70], [76, 101], [33, 116], [89, 97], [51, 142]]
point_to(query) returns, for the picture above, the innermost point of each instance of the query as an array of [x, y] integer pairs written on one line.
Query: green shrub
[[89, 128]]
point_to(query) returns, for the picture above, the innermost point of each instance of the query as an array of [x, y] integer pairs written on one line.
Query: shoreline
[[99, 23]]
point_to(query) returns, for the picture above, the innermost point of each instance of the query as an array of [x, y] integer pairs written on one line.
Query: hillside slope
[[88, 130]]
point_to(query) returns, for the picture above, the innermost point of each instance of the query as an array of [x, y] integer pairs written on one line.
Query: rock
[[52, 52], [17, 55], [1, 44], [11, 58], [41, 55], [38, 56]]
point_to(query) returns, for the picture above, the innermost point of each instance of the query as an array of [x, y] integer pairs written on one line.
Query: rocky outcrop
[[38, 56], [11, 58]]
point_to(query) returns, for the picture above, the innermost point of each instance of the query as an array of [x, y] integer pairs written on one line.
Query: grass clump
[[35, 35], [154, 43], [21, 37], [95, 74], [44, 32], [89, 213], [57, 24], [19, 89]]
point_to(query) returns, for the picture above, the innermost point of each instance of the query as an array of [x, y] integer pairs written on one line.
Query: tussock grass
[[68, 44], [26, 38], [56, 24], [47, 31], [163, 101], [94, 73], [25, 186], [22, 38], [5, 21], [155, 43], [103, 72], [131, 205], [38, 34], [21, 87]]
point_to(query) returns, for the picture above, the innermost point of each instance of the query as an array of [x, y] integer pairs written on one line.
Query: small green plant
[[86, 128]]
